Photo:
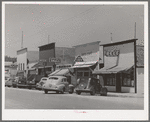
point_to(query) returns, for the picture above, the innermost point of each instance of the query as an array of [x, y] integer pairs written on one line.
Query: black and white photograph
[[75, 60]]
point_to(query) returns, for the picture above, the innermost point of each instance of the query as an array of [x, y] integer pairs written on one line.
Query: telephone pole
[[135, 31], [48, 39], [111, 37], [22, 40]]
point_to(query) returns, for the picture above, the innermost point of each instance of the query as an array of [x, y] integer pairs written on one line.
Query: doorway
[[118, 83]]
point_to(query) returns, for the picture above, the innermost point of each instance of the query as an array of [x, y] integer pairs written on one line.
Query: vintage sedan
[[91, 85], [22, 83], [39, 85], [56, 83], [8, 83]]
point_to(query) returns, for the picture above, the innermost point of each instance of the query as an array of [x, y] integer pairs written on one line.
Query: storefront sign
[[63, 66], [78, 59], [112, 53], [56, 60]]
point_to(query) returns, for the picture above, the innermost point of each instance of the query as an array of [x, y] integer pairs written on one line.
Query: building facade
[[86, 59], [120, 71], [24, 58], [52, 58]]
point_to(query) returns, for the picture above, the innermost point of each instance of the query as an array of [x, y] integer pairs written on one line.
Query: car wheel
[[45, 91], [57, 92], [78, 93], [104, 92], [63, 90], [92, 92], [71, 91]]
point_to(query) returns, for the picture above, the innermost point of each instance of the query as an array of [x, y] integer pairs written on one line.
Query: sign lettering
[[112, 53], [56, 60]]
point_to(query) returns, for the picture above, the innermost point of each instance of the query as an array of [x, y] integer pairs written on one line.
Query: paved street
[[16, 98]]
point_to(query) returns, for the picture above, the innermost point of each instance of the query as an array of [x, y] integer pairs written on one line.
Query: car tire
[[104, 92], [78, 93], [57, 92], [63, 90], [45, 91], [71, 91], [92, 92]]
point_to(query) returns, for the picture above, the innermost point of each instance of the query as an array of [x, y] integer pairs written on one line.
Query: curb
[[131, 96]]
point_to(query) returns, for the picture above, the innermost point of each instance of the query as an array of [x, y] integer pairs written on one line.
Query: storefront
[[87, 59], [119, 71]]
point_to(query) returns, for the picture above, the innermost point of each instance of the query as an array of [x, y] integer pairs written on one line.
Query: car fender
[[61, 86], [71, 86]]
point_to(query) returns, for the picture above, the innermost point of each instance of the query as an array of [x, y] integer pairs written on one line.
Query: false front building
[[120, 71]]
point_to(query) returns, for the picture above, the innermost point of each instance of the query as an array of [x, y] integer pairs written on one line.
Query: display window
[[110, 80], [128, 80]]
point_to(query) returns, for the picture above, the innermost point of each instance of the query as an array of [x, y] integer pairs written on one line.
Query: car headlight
[[56, 87]]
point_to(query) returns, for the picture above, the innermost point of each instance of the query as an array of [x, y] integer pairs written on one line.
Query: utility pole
[[22, 40], [48, 39], [111, 37], [135, 31]]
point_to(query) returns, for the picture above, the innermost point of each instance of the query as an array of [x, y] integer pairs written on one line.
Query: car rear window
[[44, 79], [53, 78]]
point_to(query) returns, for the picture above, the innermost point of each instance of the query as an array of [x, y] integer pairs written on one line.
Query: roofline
[[46, 44], [22, 49], [120, 42], [86, 44]]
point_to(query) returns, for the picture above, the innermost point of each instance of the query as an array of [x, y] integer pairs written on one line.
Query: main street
[[16, 98]]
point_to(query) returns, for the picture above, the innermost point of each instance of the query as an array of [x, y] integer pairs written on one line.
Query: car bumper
[[83, 90], [52, 89], [22, 85]]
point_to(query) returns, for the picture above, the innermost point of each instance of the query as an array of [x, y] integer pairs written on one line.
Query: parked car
[[22, 83], [8, 83], [91, 85], [39, 85], [6, 79], [56, 83], [31, 84], [15, 81]]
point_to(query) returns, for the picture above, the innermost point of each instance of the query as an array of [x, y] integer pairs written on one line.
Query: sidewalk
[[134, 95]]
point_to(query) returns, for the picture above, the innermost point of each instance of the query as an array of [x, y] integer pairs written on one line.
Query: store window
[[86, 74], [128, 80], [79, 74], [23, 66], [110, 80]]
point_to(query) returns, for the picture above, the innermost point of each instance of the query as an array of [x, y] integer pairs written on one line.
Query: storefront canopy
[[114, 70], [85, 64], [60, 72]]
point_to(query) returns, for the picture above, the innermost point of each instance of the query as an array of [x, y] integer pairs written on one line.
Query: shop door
[[118, 83]]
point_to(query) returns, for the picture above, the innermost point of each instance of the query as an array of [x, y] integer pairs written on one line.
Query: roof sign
[[78, 59]]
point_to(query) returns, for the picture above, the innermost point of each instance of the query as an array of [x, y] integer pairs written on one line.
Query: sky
[[69, 25]]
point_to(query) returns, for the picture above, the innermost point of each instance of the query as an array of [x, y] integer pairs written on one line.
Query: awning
[[60, 72], [54, 72], [92, 64], [114, 70]]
